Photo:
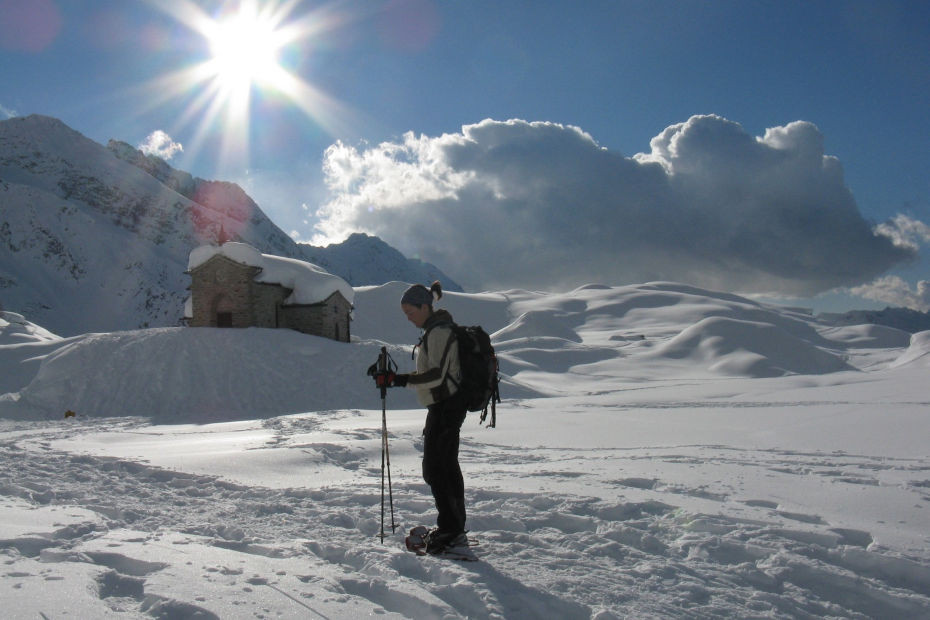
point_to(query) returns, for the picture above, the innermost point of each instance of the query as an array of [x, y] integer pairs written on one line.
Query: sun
[[248, 47], [245, 47]]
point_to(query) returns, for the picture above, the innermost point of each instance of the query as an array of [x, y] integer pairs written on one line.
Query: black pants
[[441, 462]]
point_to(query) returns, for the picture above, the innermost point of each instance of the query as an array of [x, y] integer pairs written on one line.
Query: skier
[[436, 381]]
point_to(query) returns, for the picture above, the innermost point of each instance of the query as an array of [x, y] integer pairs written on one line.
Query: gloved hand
[[390, 379]]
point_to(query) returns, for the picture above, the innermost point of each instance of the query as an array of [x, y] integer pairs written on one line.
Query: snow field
[[661, 542], [651, 460]]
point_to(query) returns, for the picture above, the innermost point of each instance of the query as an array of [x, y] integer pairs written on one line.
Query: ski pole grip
[[382, 371]]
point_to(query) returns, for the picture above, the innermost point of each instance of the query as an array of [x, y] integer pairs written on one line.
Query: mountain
[[906, 319], [96, 239], [365, 260]]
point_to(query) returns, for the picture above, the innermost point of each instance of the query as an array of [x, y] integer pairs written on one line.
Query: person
[[438, 374]]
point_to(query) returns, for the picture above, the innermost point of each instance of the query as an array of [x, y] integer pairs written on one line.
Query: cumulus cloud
[[521, 204], [160, 144], [896, 292], [7, 112]]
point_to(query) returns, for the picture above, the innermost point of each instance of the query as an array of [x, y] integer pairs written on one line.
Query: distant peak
[[39, 121], [39, 118], [360, 237]]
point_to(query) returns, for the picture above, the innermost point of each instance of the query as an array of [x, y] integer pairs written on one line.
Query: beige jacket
[[438, 369]]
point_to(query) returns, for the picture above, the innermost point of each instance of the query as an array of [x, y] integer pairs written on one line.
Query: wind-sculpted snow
[[641, 467], [748, 348], [917, 353]]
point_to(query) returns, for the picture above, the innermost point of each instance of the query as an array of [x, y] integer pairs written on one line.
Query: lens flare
[[245, 46]]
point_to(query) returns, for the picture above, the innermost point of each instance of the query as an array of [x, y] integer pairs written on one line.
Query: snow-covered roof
[[308, 282]]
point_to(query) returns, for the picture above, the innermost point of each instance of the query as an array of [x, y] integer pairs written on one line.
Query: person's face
[[416, 314]]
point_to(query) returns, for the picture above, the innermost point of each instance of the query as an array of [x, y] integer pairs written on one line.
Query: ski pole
[[383, 369]]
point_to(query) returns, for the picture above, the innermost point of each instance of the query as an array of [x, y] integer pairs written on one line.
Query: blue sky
[[385, 133]]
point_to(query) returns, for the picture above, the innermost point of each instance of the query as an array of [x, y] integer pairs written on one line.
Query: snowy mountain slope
[[364, 260], [641, 485], [91, 242], [52, 274]]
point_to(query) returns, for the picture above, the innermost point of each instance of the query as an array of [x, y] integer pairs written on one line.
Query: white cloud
[[905, 232], [160, 144], [7, 112], [520, 204], [896, 292]]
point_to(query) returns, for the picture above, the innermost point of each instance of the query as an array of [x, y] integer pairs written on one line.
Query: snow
[[662, 452], [15, 328], [309, 283]]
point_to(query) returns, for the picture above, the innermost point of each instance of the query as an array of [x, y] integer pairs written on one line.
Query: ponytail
[[435, 290]]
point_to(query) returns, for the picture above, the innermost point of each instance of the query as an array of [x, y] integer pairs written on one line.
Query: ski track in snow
[[630, 545]]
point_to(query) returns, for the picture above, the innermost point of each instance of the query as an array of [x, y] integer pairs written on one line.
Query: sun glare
[[245, 50], [245, 45]]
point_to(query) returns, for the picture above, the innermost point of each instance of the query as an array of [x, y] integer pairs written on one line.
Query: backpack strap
[[453, 339], [425, 335], [442, 362]]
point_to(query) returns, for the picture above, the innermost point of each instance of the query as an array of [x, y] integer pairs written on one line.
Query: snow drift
[[749, 348], [917, 353], [200, 374]]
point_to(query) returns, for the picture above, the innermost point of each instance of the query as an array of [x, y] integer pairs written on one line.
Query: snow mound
[[202, 374], [539, 324], [918, 353], [750, 349]]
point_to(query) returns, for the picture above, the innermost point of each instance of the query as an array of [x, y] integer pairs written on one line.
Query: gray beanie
[[417, 295]]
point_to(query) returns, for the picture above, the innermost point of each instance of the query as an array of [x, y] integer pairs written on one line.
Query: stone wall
[[329, 318], [224, 293], [266, 304], [222, 286]]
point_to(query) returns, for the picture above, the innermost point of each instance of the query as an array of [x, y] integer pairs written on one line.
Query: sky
[[770, 148]]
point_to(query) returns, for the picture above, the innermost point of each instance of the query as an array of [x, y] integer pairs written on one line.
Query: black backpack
[[479, 365]]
